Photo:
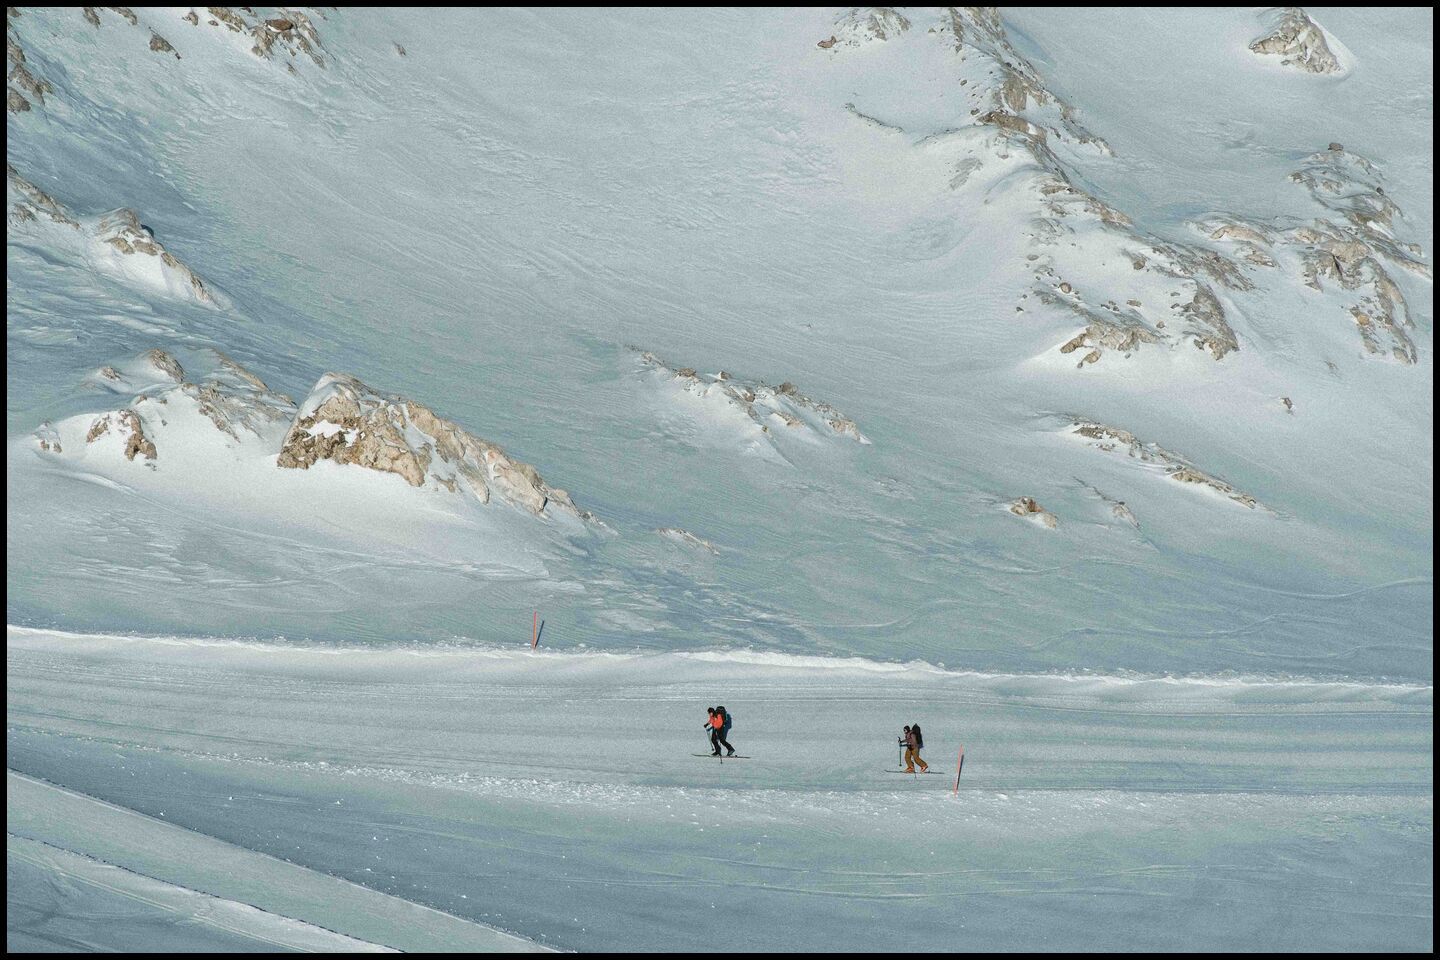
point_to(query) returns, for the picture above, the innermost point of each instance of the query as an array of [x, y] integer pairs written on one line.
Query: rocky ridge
[[345, 421], [1298, 41], [140, 254], [782, 407], [1178, 468], [1354, 248]]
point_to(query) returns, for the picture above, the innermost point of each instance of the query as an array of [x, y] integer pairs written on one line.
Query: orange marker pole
[[958, 767], [534, 630]]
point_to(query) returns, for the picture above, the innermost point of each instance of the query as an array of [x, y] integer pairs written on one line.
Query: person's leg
[[923, 765], [726, 744], [909, 759], [715, 741]]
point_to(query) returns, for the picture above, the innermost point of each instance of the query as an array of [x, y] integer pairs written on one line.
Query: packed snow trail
[[553, 795], [56, 896]]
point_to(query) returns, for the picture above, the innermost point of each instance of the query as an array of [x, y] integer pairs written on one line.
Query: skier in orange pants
[[913, 742]]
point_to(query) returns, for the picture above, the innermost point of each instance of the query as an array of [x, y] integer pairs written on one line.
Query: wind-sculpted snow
[[345, 421]]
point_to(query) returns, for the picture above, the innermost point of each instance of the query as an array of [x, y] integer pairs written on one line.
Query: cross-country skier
[[712, 726], [913, 742]]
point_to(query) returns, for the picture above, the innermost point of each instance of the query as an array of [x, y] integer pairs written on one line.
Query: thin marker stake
[[958, 767], [534, 630]]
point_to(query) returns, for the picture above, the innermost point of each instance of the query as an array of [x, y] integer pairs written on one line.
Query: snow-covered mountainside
[[958, 227], [965, 353]]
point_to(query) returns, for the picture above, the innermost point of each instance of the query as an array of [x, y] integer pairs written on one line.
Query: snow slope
[[554, 795], [1037, 344], [487, 237]]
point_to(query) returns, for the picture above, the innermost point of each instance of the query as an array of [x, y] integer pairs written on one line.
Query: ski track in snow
[[486, 783]]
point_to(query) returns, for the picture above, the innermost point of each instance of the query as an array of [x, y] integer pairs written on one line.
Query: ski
[[737, 756], [933, 773]]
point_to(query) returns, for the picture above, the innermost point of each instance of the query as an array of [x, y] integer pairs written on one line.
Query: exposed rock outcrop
[[863, 25], [30, 202], [1354, 247], [1027, 508], [1176, 467], [165, 364], [1013, 97], [165, 407], [118, 234], [160, 45], [1299, 41], [347, 422], [237, 402], [125, 425], [782, 407], [271, 30], [1174, 295], [122, 230]]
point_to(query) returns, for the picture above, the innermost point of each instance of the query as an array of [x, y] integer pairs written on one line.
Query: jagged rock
[[21, 77], [160, 45], [166, 364], [91, 16], [1289, 404], [865, 24], [400, 49], [345, 421], [1019, 100], [127, 13], [37, 201], [1351, 248], [14, 102], [294, 32], [230, 18], [127, 426], [1300, 41]]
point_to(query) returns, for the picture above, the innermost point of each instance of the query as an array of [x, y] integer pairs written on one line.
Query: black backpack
[[919, 740]]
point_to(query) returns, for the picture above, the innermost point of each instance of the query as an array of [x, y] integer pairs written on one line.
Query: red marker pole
[[534, 630], [958, 767]]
